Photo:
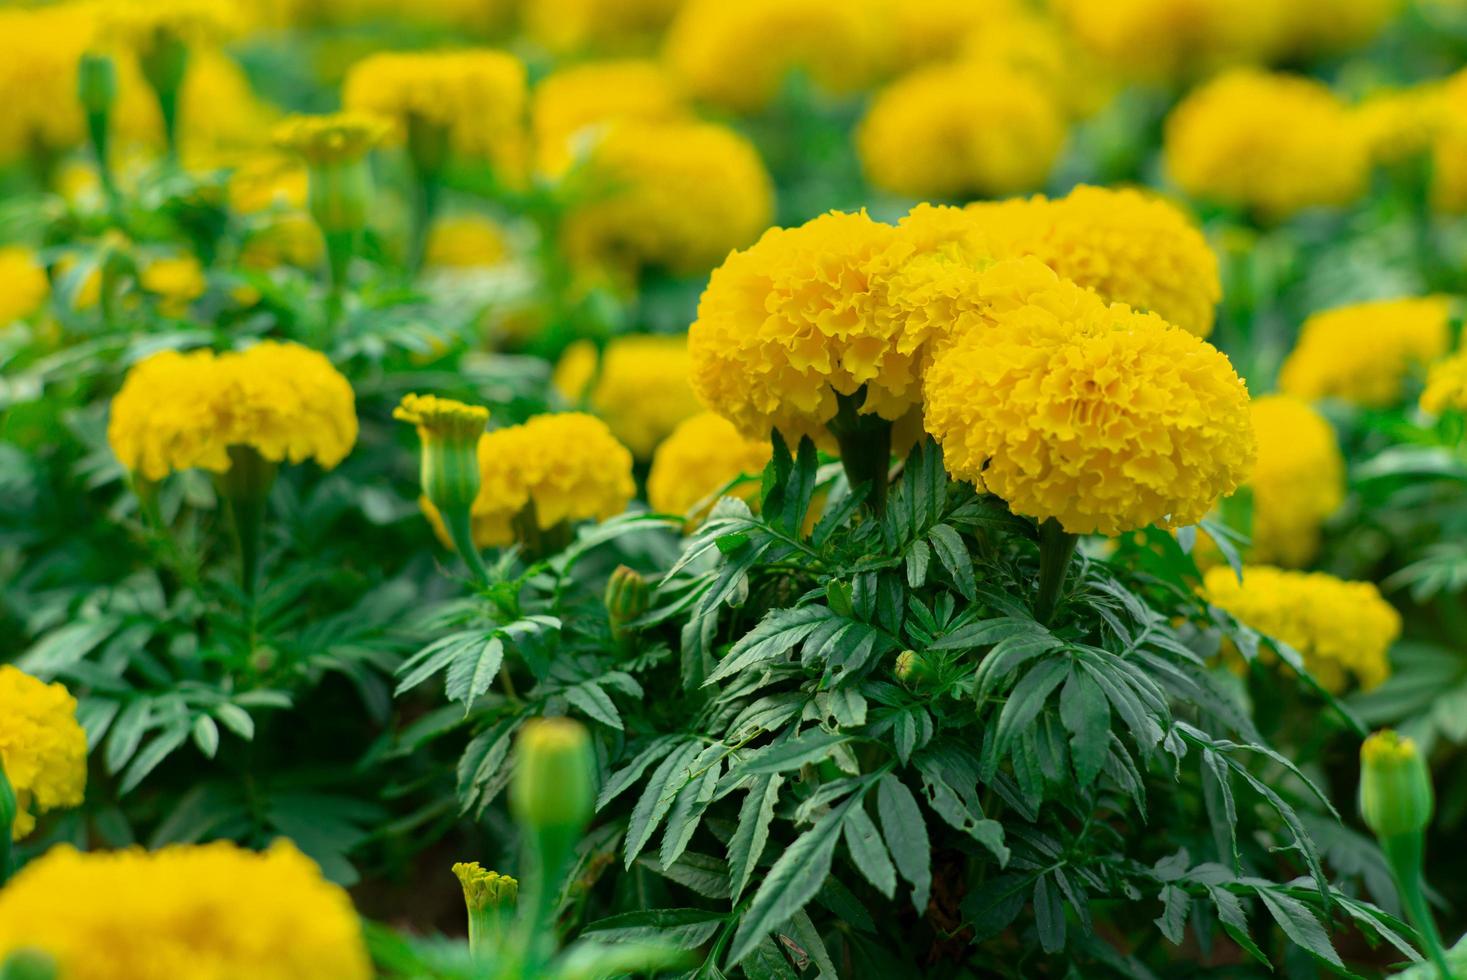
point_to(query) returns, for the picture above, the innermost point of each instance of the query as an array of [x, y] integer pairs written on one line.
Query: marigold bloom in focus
[[211, 910], [23, 283], [569, 107], [553, 468], [1364, 352], [1273, 143], [961, 131], [738, 55], [1298, 480], [42, 748], [1446, 385], [475, 98], [676, 195], [177, 411], [1129, 246], [640, 388], [702, 455], [1343, 629], [1104, 419]]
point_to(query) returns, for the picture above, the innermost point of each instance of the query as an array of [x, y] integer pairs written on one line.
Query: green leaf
[[678, 928], [1028, 697], [595, 703], [127, 733], [473, 671], [152, 754], [236, 719], [906, 836], [747, 844], [995, 903], [868, 853], [206, 735], [812, 746], [777, 633], [1049, 915], [1173, 919], [626, 777], [657, 798], [792, 881], [1085, 713], [691, 803], [1300, 925], [953, 555], [919, 555]]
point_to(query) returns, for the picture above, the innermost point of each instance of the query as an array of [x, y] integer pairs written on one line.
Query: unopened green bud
[[96, 83], [554, 781], [626, 597], [448, 433], [339, 195], [1395, 787], [913, 669], [485, 889], [28, 964]]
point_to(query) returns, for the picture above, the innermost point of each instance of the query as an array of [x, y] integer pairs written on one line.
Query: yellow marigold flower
[[923, 31], [1165, 40], [211, 910], [1343, 629], [960, 131], [339, 137], [177, 280], [23, 283], [465, 241], [1363, 353], [142, 25], [566, 26], [1400, 123], [1273, 143], [792, 321], [476, 17], [702, 455], [270, 180], [563, 467], [640, 388], [1101, 418], [571, 106], [675, 195], [1446, 385], [1298, 480], [737, 55], [1316, 27], [1129, 246], [178, 411], [42, 748], [39, 53], [291, 239], [477, 97], [1038, 48], [1449, 149]]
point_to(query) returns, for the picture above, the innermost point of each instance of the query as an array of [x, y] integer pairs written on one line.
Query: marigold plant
[[1364, 352]]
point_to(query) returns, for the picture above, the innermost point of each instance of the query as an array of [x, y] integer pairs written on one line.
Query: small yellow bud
[[554, 781], [1395, 787], [485, 889]]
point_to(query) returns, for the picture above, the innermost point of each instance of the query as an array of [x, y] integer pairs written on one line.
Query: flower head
[[571, 106], [465, 241], [568, 26], [1273, 143], [1298, 480], [1363, 353], [211, 910], [341, 137], [640, 388], [702, 455], [42, 748], [1342, 629], [485, 889], [679, 195], [142, 25], [176, 279], [23, 283], [927, 31], [1128, 246], [1446, 385], [178, 411], [961, 130], [475, 98], [737, 55], [1104, 419], [1163, 40]]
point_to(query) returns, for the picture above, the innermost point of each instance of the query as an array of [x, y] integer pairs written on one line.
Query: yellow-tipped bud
[[449, 432], [1395, 787], [626, 597], [485, 889], [335, 147], [554, 782]]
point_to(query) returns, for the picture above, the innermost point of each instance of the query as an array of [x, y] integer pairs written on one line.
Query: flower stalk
[[246, 486], [1056, 549], [97, 92], [428, 147], [8, 809], [865, 448]]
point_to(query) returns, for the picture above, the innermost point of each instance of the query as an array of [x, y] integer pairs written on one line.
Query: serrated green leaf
[[1085, 713], [906, 836], [1300, 925], [747, 844], [868, 852]]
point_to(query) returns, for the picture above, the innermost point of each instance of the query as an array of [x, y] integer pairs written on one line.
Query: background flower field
[[786, 488]]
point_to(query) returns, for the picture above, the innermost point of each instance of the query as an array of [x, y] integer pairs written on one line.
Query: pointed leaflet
[[692, 801], [657, 797], [1300, 925], [747, 844], [776, 634], [623, 780], [473, 671], [1085, 713], [868, 853], [906, 836]]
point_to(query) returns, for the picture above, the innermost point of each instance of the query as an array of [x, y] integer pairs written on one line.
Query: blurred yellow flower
[[961, 131], [1101, 418], [141, 26], [1446, 385], [568, 26], [1310, 28], [1170, 40], [640, 388], [42, 748], [571, 106], [1401, 123], [269, 180], [1129, 246], [23, 283], [338, 137], [176, 280], [465, 241], [178, 411], [1449, 149], [701, 456], [553, 468], [1344, 630], [1363, 353], [1271, 143], [475, 97], [923, 31], [677, 195], [1037, 47], [210, 910], [39, 53], [1298, 480], [737, 55]]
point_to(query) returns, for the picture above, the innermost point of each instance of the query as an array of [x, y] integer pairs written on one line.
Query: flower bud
[[448, 433], [1395, 787], [913, 669], [485, 889], [96, 83], [626, 597], [554, 784]]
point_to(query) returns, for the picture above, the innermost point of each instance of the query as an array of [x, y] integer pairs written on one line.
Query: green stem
[[1056, 548], [8, 810], [461, 531], [865, 448], [548, 857], [1405, 853], [340, 246]]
